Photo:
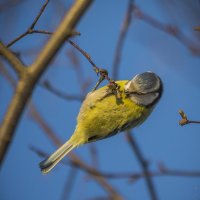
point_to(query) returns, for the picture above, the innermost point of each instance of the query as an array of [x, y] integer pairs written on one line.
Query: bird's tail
[[48, 164]]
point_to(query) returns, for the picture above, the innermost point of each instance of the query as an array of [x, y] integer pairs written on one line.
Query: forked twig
[[30, 29]]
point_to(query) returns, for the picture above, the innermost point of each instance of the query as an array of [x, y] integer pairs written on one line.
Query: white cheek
[[150, 98], [144, 99], [127, 87]]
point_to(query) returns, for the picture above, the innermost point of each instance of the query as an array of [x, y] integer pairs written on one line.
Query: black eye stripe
[[140, 93]]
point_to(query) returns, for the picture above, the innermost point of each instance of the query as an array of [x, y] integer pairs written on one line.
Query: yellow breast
[[102, 113]]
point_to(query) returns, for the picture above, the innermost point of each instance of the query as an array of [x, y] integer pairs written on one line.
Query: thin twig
[[84, 53], [143, 164], [31, 27], [99, 71], [39, 15], [69, 97], [121, 39], [185, 120]]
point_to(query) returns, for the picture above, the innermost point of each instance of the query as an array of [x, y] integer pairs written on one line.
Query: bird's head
[[144, 89]]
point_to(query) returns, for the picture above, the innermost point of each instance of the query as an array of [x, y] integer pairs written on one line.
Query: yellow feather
[[102, 113]]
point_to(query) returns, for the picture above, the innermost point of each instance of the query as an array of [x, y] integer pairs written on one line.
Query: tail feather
[[48, 164]]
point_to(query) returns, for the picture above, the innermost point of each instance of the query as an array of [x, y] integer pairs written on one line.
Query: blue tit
[[103, 114]]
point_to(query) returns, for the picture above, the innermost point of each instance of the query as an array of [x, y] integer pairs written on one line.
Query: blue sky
[[146, 48]]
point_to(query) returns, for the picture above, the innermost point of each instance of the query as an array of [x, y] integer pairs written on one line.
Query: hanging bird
[[103, 114]]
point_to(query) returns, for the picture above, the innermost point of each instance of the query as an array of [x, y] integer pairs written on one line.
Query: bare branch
[[30, 77], [185, 120], [103, 73], [12, 59], [169, 29], [143, 164], [121, 39], [13, 114], [127, 175], [31, 28], [58, 38]]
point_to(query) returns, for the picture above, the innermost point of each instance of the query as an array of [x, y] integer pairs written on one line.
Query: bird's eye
[[126, 91]]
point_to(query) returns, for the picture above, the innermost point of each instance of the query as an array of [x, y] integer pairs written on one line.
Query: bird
[[104, 114]]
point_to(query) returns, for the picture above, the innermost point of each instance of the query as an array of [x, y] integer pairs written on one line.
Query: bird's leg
[[103, 74], [115, 88]]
